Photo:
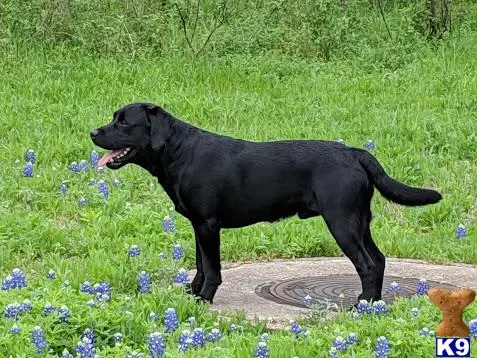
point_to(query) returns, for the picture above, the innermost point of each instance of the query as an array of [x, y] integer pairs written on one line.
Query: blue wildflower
[[18, 279], [6, 283], [15, 329], [198, 337], [134, 251], [394, 287], [118, 337], [364, 307], [382, 347], [63, 188], [473, 327], [153, 316], [214, 335], [168, 224], [74, 167], [25, 306], [103, 189], [233, 327], [83, 166], [28, 170], [422, 287], [370, 144], [94, 158], [30, 156], [66, 354], [177, 252], [144, 282], [264, 337], [379, 307], [85, 348], [100, 170], [88, 333], [414, 312], [181, 277], [51, 275], [340, 344], [295, 328], [86, 287], [262, 350], [307, 300], [103, 292], [333, 352], [461, 231], [48, 308], [156, 345], [83, 202], [11, 310], [184, 340], [171, 320], [63, 313], [352, 338], [38, 340]]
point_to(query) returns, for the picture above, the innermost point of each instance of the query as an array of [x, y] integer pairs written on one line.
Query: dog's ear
[[160, 123]]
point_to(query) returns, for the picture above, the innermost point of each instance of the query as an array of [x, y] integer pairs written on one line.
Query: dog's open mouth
[[117, 156]]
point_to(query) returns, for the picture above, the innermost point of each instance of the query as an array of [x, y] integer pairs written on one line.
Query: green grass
[[422, 116]]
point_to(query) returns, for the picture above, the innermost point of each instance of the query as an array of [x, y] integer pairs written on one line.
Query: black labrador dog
[[220, 182]]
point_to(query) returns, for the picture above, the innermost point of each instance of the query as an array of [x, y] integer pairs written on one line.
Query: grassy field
[[421, 116]]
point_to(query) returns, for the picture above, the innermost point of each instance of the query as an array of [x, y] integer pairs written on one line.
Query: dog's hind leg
[[196, 285], [377, 256], [347, 229]]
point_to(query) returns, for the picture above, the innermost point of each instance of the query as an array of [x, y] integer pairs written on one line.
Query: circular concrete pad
[[240, 281]]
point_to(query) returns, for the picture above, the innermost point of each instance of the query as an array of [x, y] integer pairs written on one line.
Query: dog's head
[[136, 129]]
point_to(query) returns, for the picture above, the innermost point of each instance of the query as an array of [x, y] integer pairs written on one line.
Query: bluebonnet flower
[[163, 256], [85, 348], [473, 327], [422, 287], [28, 170], [116, 183], [379, 307], [177, 252], [264, 337], [414, 312], [12, 310], [18, 279], [382, 347], [307, 300], [100, 170], [262, 350], [63, 313], [88, 333], [168, 224], [91, 181], [184, 340], [86, 287], [340, 344], [118, 337], [94, 158], [352, 338], [63, 188], [103, 189], [370, 144], [103, 292], [156, 345], [48, 308], [83, 201], [333, 352], [461, 231], [26, 306], [74, 167], [198, 337], [30, 156], [66, 354], [83, 166], [15, 329], [296, 329], [144, 282], [394, 287], [134, 251], [171, 320], [6, 283], [214, 335], [364, 307], [153, 316], [181, 277], [38, 340], [51, 275]]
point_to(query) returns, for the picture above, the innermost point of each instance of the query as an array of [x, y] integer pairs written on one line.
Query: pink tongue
[[105, 158]]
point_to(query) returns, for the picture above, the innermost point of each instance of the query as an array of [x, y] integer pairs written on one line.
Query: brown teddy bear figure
[[452, 304]]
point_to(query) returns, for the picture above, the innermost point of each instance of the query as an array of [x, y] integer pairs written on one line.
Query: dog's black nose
[[94, 133]]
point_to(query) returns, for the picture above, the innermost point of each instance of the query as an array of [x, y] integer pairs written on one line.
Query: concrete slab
[[240, 280]]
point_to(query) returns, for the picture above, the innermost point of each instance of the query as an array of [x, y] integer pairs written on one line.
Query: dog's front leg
[[198, 281], [208, 237]]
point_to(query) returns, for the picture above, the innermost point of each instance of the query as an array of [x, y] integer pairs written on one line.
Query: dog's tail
[[392, 189]]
